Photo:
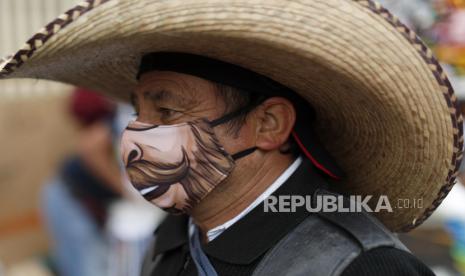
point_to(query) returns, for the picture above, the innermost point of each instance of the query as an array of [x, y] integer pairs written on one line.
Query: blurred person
[[451, 31], [76, 201], [241, 101]]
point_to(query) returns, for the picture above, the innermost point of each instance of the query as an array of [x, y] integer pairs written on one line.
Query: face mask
[[176, 166]]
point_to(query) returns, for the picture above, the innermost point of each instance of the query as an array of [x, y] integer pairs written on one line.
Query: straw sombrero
[[386, 110]]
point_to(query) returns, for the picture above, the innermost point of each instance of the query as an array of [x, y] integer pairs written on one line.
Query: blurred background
[[64, 209], [56, 156]]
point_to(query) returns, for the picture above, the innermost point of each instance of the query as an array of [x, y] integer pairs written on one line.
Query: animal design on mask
[[174, 166]]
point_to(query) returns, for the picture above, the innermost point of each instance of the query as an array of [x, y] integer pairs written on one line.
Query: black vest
[[326, 244]]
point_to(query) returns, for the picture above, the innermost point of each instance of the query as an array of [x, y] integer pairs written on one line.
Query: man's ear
[[276, 119]]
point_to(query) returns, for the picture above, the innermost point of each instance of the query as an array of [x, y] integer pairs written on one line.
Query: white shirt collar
[[215, 232]]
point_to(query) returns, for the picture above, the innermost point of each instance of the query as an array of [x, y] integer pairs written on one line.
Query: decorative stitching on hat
[[38, 40], [5, 60], [447, 91]]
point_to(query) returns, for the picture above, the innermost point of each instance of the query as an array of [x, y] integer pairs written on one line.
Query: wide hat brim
[[386, 110]]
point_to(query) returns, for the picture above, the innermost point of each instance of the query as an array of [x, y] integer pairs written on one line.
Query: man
[[231, 97], [236, 231]]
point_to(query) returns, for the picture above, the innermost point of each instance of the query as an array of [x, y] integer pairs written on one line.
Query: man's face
[[168, 98]]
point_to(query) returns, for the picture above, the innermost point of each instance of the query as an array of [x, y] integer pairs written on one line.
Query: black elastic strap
[[256, 100], [243, 153], [228, 117]]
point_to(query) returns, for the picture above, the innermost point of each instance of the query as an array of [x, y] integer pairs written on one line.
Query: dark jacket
[[241, 248]]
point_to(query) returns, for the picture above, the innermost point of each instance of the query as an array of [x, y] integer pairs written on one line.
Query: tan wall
[[19, 19], [34, 136]]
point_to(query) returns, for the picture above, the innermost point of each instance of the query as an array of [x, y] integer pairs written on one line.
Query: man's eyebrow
[[164, 95], [158, 95]]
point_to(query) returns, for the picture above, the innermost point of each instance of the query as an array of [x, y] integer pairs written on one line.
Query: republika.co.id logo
[[338, 203]]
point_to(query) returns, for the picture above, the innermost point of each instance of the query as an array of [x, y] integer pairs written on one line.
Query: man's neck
[[238, 192]]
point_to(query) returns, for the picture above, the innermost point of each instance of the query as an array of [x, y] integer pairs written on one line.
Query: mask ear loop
[[243, 153], [228, 117]]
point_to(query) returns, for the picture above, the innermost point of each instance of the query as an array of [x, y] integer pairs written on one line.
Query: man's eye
[[168, 113]]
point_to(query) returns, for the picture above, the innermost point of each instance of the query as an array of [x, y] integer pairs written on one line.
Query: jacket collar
[[255, 233], [171, 234]]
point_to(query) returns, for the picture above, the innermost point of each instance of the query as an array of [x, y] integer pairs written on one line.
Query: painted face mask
[[176, 166]]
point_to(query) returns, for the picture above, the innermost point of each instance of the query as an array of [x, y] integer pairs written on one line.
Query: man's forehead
[[164, 96], [162, 86]]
